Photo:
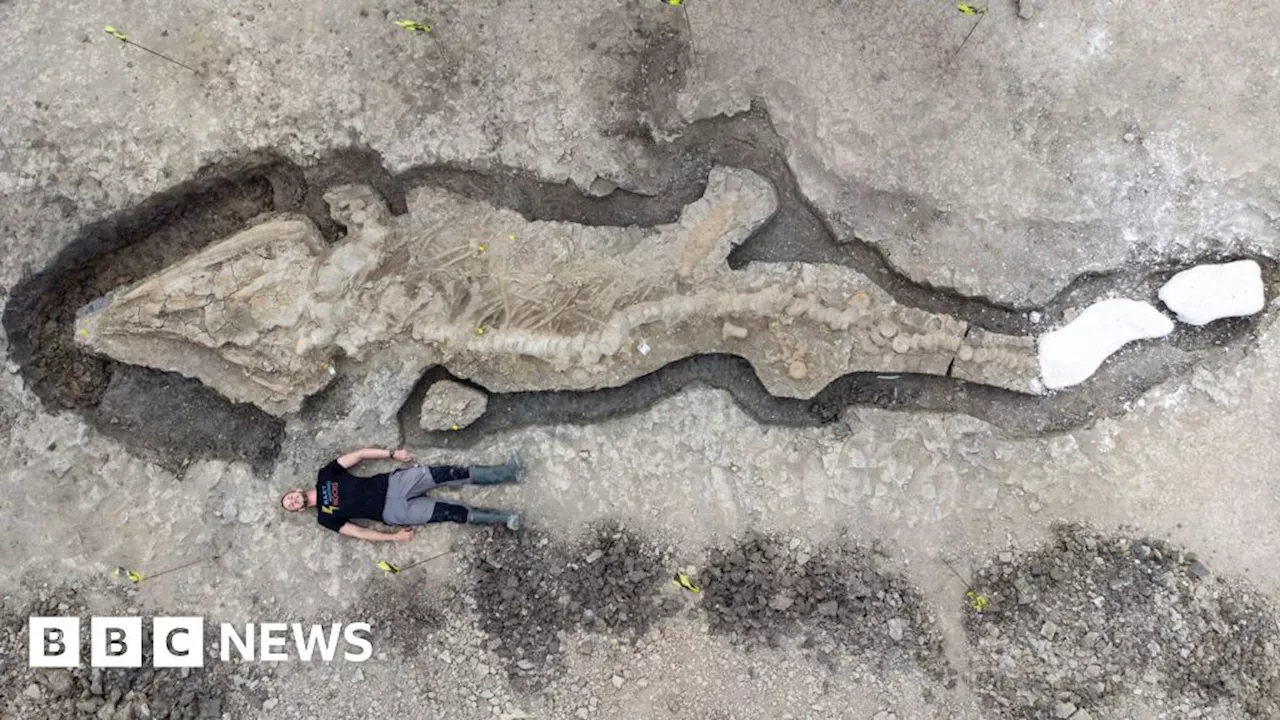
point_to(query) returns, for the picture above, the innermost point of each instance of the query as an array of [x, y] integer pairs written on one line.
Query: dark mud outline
[[796, 233]]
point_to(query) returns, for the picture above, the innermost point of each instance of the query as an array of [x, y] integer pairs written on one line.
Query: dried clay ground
[[903, 547]]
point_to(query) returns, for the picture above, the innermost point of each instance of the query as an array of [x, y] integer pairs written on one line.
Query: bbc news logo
[[178, 642]]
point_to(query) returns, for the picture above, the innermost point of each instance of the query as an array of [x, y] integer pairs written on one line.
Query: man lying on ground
[[399, 497]]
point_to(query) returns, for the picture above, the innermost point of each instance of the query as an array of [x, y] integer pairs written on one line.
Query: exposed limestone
[[1006, 361], [448, 405], [513, 305]]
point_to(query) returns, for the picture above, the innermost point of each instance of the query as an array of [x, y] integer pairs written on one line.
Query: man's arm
[[352, 459], [363, 533]]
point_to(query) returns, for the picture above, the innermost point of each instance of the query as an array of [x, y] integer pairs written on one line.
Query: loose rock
[[448, 405], [1123, 615], [839, 595], [528, 592]]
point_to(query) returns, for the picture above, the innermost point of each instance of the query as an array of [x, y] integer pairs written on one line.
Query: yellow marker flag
[[684, 581], [115, 33], [134, 577], [412, 26], [968, 9], [387, 567]]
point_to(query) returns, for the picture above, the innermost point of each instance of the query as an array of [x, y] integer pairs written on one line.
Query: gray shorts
[[407, 502]]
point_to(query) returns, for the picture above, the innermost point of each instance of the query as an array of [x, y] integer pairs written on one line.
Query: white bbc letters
[[177, 642], [355, 635], [231, 638], [115, 642], [272, 642], [53, 642]]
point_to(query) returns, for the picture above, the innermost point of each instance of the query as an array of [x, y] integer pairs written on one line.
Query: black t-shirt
[[341, 496]]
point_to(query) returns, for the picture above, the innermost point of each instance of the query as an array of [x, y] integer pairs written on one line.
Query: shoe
[[489, 516], [511, 472]]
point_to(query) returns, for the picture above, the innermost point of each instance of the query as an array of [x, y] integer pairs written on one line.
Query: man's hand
[[402, 455], [402, 535]]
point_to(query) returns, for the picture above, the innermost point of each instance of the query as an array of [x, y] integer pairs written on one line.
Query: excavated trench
[[176, 420]]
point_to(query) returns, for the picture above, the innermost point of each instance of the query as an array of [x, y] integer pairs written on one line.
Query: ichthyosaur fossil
[[266, 315]]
